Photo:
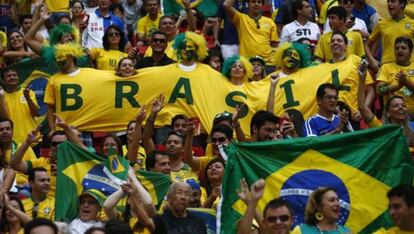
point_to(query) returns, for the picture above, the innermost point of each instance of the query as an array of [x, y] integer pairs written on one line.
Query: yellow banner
[[97, 100]]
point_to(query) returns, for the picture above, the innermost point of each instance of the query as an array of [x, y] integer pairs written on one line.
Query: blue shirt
[[229, 31], [366, 14], [318, 125]]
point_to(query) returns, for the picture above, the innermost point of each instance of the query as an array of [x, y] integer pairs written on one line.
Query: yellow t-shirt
[[409, 10], [57, 6], [389, 30], [145, 25], [255, 37], [29, 155], [3, 37], [169, 51], [46, 208], [387, 75], [203, 161], [355, 45], [45, 163], [393, 230], [140, 163], [19, 112], [350, 97], [107, 59], [325, 8], [183, 174]]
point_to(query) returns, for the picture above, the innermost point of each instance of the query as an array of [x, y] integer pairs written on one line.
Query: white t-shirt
[[294, 31], [359, 25], [77, 226]]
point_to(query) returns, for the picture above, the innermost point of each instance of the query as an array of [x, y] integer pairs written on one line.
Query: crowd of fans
[[245, 46]]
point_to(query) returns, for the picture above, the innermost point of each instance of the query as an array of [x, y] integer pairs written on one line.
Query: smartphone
[[197, 125]]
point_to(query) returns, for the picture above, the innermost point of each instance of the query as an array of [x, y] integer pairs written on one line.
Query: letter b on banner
[[69, 97]]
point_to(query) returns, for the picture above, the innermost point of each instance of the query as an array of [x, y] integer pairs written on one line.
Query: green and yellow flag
[[80, 170], [361, 166]]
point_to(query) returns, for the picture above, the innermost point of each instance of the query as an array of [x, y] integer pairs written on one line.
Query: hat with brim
[[257, 59], [96, 194]]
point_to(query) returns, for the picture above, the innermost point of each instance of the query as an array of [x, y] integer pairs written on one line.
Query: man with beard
[[326, 122], [176, 219], [39, 204], [263, 126]]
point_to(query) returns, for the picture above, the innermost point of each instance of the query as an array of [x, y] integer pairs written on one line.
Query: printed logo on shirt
[[410, 72], [407, 26], [46, 210]]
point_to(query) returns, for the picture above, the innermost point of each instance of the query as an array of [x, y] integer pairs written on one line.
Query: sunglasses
[[273, 219], [155, 40], [114, 34], [218, 139], [55, 143], [35, 210]]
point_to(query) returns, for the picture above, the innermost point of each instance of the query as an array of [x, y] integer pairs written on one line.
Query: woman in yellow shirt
[[114, 42], [394, 112]]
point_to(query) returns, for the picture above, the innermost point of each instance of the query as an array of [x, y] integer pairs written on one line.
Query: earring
[[319, 216]]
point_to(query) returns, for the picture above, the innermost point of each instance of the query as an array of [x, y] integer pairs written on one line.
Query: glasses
[[114, 34], [347, 1], [55, 143], [330, 97], [35, 210], [273, 219], [218, 139], [155, 40]]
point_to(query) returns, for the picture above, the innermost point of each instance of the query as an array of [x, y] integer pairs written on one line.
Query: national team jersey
[[107, 59], [45, 209], [393, 230], [348, 91], [387, 75], [388, 30], [169, 51], [183, 174], [57, 6], [318, 125], [295, 31], [19, 112], [355, 45], [45, 163], [358, 25], [146, 25], [21, 178], [255, 36]]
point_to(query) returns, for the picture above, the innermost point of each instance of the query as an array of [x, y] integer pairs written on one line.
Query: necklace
[[321, 232], [256, 20]]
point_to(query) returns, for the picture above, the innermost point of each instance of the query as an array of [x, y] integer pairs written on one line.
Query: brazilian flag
[[80, 170], [362, 166]]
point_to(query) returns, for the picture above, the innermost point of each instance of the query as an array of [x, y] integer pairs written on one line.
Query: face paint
[[291, 58], [189, 52]]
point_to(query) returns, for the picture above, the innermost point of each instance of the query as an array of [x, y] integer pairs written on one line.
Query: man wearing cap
[[90, 204], [259, 66]]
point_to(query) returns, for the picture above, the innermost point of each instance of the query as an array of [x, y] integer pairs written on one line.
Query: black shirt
[[149, 62], [167, 223]]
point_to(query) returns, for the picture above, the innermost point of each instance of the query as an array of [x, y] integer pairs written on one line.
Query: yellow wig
[[228, 64], [199, 42], [62, 51]]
